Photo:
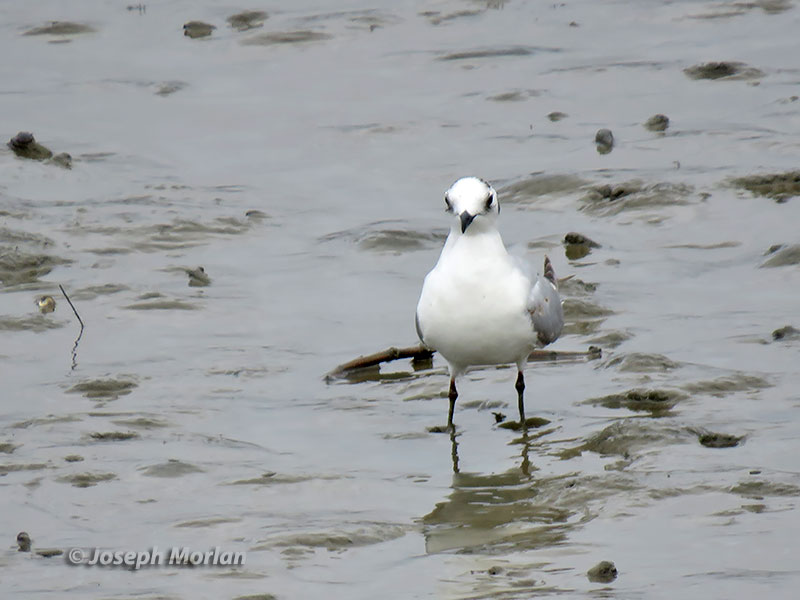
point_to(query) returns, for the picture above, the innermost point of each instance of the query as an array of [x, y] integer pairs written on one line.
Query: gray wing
[[544, 306]]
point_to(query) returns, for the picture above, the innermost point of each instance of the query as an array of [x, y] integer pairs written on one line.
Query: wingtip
[[549, 272]]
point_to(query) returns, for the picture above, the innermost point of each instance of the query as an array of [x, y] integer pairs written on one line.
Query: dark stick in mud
[[421, 353], [77, 339], [61, 287]]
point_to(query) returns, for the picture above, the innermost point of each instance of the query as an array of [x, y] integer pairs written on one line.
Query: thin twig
[[61, 287], [80, 334]]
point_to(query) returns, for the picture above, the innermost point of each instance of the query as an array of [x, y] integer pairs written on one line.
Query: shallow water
[[302, 164]]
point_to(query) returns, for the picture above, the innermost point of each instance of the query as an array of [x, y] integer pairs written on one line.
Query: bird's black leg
[[520, 385], [453, 395]]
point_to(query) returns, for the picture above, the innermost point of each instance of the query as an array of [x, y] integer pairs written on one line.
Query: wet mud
[[246, 219]]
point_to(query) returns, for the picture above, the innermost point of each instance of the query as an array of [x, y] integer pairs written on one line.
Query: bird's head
[[472, 201]]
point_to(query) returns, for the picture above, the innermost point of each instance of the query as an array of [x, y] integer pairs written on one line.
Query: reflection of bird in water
[[509, 509], [46, 305], [478, 305]]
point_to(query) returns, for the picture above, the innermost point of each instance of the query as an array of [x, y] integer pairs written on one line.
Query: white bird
[[478, 305]]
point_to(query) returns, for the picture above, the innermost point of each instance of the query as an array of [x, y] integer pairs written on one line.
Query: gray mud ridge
[[436, 17], [22, 260], [539, 184], [84, 480], [171, 469], [778, 186], [723, 70], [608, 200], [640, 362], [35, 323], [624, 438], [509, 51], [736, 9], [729, 384], [60, 28], [783, 256], [103, 389], [653, 401], [379, 237], [514, 96], [286, 37]]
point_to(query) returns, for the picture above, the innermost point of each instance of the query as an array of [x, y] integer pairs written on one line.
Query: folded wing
[[544, 306]]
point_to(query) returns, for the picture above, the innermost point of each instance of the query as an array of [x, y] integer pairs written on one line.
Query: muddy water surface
[[299, 157]]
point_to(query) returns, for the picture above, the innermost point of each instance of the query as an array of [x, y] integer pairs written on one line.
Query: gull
[[479, 305]]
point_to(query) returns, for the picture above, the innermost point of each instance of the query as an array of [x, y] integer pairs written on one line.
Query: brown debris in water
[[60, 28], [286, 37], [719, 440], [604, 139], [104, 389], [787, 332], [114, 436], [577, 245], [602, 572], [657, 123], [197, 29], [722, 70], [84, 480], [778, 186], [248, 19]]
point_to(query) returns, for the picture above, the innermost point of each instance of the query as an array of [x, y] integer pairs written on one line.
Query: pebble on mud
[[657, 123], [46, 304], [24, 541], [557, 115], [577, 245], [25, 146], [787, 332], [197, 29], [778, 186], [604, 140], [248, 19], [198, 277], [62, 159], [602, 572], [609, 192]]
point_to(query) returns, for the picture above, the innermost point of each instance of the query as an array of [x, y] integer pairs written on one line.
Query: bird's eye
[[489, 201], [449, 207]]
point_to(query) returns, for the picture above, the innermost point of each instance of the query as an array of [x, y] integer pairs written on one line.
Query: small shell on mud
[[46, 304]]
